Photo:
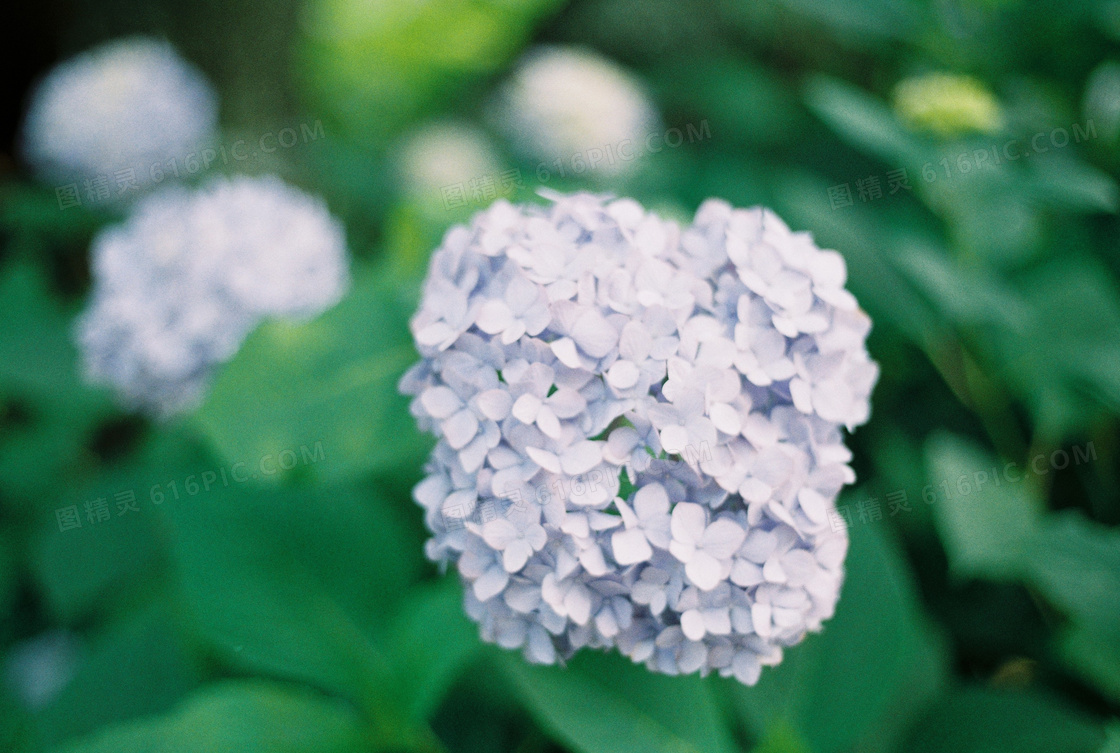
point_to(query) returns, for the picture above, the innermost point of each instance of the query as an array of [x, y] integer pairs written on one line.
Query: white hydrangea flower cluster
[[443, 154], [179, 286], [639, 429], [562, 102], [127, 104]]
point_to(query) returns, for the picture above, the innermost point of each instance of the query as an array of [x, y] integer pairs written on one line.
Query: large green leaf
[[247, 716], [1073, 185], [1075, 564], [982, 720], [605, 704], [985, 520], [969, 295], [430, 642], [86, 571], [870, 21], [141, 664], [324, 391], [1112, 743], [294, 584], [1093, 655], [863, 121]]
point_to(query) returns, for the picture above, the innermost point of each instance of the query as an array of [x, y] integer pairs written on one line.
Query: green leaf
[[985, 522], [605, 704], [867, 20], [247, 716], [873, 667], [292, 583], [137, 666], [330, 382], [39, 380], [687, 705], [863, 121], [742, 101], [1073, 185], [1094, 656], [980, 720], [781, 738], [83, 571], [431, 641], [1066, 365], [969, 295], [1075, 564], [1112, 741]]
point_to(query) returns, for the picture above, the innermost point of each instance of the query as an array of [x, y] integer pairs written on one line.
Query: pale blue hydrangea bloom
[[179, 286], [125, 105], [639, 429]]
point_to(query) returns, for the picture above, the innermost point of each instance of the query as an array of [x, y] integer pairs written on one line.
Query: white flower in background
[[639, 429], [177, 288], [562, 102], [125, 105], [446, 154], [37, 669]]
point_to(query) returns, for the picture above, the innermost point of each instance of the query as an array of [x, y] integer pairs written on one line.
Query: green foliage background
[[293, 611]]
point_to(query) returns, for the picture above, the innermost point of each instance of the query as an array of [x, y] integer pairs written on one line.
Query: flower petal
[[630, 547], [703, 570], [688, 522]]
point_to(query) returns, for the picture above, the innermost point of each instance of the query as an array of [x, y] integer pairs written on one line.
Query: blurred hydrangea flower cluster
[[561, 102], [639, 429], [180, 285], [127, 104]]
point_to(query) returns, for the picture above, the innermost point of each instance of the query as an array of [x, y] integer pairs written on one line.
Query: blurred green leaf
[[247, 716], [689, 706], [1112, 741], [1067, 364], [780, 738], [1073, 185], [738, 100], [83, 571], [856, 20], [978, 720], [139, 665], [969, 295], [431, 641], [603, 703], [863, 121], [1093, 656], [46, 413], [293, 583], [986, 522], [1075, 564], [330, 382]]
